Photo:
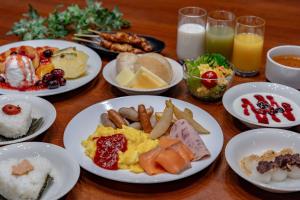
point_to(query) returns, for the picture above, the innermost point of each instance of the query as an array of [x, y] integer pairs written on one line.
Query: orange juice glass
[[248, 45]]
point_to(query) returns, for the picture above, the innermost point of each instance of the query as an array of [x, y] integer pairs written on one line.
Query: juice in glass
[[248, 45], [219, 39], [247, 52]]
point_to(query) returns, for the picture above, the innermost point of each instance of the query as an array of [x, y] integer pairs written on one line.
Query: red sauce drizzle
[[270, 108], [107, 150], [27, 88]]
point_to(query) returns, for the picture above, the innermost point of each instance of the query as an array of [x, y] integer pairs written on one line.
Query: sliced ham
[[190, 137], [148, 162], [172, 161]]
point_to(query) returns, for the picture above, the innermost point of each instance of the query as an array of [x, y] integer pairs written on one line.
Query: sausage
[[136, 125], [144, 119], [129, 113], [106, 121], [116, 118]]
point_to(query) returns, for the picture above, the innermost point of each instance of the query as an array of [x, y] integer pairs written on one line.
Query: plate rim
[[39, 131], [53, 92], [243, 176], [230, 110], [219, 150]]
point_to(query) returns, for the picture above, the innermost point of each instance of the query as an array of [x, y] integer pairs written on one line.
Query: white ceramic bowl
[[66, 168], [282, 74], [232, 97], [40, 108], [110, 73], [258, 141]]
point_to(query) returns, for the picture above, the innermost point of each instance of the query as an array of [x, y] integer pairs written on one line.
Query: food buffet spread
[[140, 131]]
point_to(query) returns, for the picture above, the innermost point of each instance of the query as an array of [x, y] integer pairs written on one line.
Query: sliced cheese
[[145, 79], [125, 76]]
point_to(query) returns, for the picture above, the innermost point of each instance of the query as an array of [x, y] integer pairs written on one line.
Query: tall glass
[[248, 45], [220, 32], [191, 32]]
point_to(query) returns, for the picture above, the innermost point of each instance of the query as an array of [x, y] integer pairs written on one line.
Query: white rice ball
[[15, 126], [27, 186]]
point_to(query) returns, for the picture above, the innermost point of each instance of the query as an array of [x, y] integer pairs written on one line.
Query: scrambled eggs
[[138, 142]]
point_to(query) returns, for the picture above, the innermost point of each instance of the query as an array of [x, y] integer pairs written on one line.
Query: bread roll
[[126, 60], [155, 63]]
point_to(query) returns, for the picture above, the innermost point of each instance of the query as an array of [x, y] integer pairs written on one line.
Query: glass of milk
[[191, 32]]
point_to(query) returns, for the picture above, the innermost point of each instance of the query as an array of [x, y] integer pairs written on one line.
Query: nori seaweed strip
[[48, 182], [35, 125], [2, 198]]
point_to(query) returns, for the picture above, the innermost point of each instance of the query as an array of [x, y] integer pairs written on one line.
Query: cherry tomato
[[209, 79]]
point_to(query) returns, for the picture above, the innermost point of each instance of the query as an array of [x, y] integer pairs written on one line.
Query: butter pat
[[124, 77], [145, 79]]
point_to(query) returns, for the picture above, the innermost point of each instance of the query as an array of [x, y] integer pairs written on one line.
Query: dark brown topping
[[264, 166], [282, 161], [10, 109]]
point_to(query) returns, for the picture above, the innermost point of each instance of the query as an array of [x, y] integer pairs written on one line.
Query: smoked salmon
[[172, 161], [148, 163]]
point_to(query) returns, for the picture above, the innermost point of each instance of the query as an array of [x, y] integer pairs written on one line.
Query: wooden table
[[159, 18]]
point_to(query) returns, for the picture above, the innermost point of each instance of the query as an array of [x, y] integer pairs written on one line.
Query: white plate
[[64, 164], [85, 123], [258, 141], [232, 95], [110, 73], [40, 108], [94, 66]]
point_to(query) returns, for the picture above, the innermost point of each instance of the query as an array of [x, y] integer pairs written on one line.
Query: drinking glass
[[248, 45], [220, 32], [191, 32]]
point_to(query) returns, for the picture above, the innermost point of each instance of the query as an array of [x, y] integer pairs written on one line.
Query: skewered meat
[[130, 39], [119, 47]]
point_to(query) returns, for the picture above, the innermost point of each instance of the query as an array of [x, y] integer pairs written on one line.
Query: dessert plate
[[110, 73], [41, 108], [94, 66], [258, 141], [261, 104], [66, 168], [75, 133]]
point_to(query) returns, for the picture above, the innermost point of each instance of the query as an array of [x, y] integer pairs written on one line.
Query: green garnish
[[73, 19], [212, 59]]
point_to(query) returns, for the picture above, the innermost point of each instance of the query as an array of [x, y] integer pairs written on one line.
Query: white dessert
[[19, 71], [237, 106]]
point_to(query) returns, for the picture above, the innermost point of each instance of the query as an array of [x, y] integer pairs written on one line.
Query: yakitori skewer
[[122, 37], [111, 46]]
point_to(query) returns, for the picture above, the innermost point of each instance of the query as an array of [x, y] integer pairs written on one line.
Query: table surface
[[159, 19]]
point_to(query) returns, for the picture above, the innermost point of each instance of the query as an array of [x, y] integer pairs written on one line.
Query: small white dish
[[232, 102], [93, 66], [110, 73], [278, 73], [258, 141], [40, 108], [66, 168], [75, 133]]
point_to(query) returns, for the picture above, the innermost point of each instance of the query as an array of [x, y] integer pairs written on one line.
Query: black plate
[[157, 45]]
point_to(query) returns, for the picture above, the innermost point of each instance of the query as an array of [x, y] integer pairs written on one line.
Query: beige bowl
[[282, 74]]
